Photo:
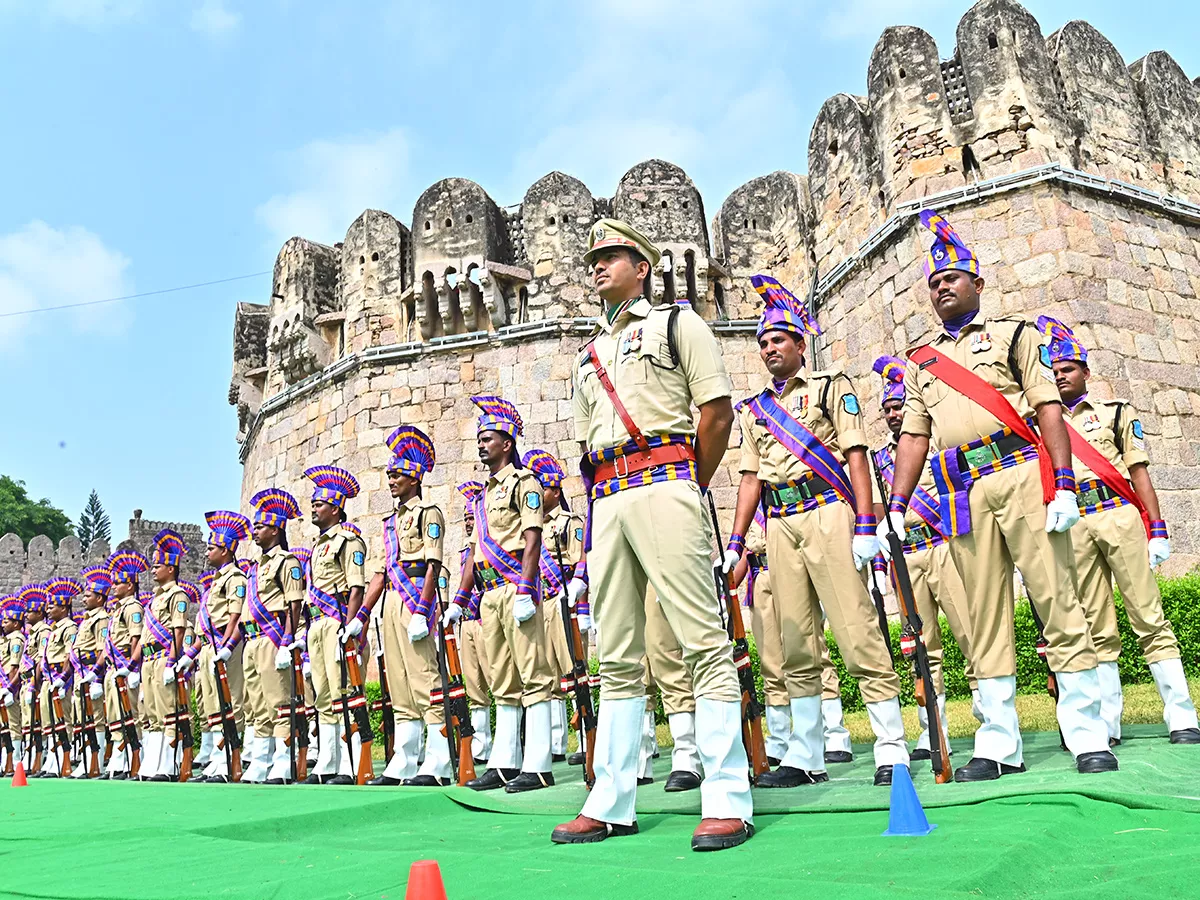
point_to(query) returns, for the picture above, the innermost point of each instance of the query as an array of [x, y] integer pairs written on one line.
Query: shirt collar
[[639, 309], [779, 386], [1080, 401], [503, 474]]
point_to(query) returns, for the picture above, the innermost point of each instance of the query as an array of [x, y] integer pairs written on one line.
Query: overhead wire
[[170, 290]]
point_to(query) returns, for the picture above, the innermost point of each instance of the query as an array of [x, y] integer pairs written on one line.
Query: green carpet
[[1049, 833]]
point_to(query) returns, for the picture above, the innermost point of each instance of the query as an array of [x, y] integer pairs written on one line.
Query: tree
[[27, 518], [93, 523]]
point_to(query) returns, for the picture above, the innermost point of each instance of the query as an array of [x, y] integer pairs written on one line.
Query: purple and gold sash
[[507, 565], [922, 502], [329, 605], [401, 583], [259, 614], [157, 630], [802, 444]]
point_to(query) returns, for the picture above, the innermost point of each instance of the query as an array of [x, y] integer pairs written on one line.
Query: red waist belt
[[640, 460]]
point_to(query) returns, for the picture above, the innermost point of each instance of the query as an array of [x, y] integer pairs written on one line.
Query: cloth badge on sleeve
[[358, 557], [434, 530], [1139, 436], [1044, 354], [189, 639], [181, 606], [850, 402], [579, 534], [241, 592], [442, 582], [533, 500], [103, 632], [297, 574], [137, 618]]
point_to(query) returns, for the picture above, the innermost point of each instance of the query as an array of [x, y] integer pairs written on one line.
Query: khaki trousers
[[1008, 527], [937, 586], [16, 713], [665, 667], [267, 689], [811, 566], [831, 685], [412, 669], [657, 535], [323, 649], [557, 649], [521, 673], [1112, 544], [206, 679], [158, 698], [112, 700], [473, 655], [768, 639]]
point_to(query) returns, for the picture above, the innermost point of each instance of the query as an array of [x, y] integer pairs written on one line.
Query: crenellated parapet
[[20, 565]]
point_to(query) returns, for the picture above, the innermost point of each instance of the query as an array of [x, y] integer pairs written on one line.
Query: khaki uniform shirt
[[226, 597], [656, 387], [170, 606], [839, 430], [125, 624], [925, 481], [90, 636], [1096, 421], [933, 409], [513, 500], [39, 636], [280, 579], [420, 528], [563, 533], [339, 560], [12, 648], [58, 643]]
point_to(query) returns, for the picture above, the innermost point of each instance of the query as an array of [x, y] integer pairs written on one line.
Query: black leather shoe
[[1114, 742], [838, 756], [196, 779], [642, 782], [921, 755], [426, 781], [1090, 763], [54, 775], [981, 769], [480, 763], [883, 776], [216, 779], [314, 778], [161, 778], [681, 780], [278, 781], [119, 776], [529, 781], [339, 779], [1186, 736], [773, 762], [384, 781], [788, 777], [493, 779], [558, 757], [575, 759]]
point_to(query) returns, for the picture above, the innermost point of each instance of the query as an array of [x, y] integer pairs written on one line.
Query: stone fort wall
[[1074, 175]]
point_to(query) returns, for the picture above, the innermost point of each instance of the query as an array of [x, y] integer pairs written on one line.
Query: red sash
[[622, 413], [971, 386], [1107, 473]]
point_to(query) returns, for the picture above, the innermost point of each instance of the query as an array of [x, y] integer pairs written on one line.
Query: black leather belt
[[786, 495]]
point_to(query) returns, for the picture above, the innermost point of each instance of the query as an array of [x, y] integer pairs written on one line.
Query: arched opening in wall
[[408, 318], [833, 147], [754, 224], [971, 169], [550, 220], [362, 260], [449, 222], [745, 223], [477, 317], [470, 218], [453, 317], [689, 261], [668, 278], [903, 74], [685, 204], [428, 225], [431, 321], [522, 305], [992, 42], [664, 204], [719, 300], [375, 256]]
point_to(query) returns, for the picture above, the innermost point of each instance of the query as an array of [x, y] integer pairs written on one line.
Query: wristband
[[287, 640], [1064, 480], [363, 614], [462, 598], [581, 571], [865, 525], [898, 503], [879, 564], [1158, 529], [526, 588], [737, 544]]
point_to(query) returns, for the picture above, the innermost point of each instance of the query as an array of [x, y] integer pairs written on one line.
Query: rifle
[[452, 695], [297, 721], [129, 731], [752, 709], [37, 743], [1051, 678], [89, 741], [385, 700], [232, 744], [579, 681], [356, 701], [912, 645], [183, 727], [881, 612], [61, 735]]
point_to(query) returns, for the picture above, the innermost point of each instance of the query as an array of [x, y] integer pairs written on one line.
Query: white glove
[[299, 642], [864, 547], [58, 684], [1062, 512], [893, 521], [6, 699], [585, 623], [224, 653], [523, 608], [283, 659], [306, 669], [452, 614], [576, 588], [168, 675], [1160, 551], [95, 691], [122, 672], [352, 629], [187, 662], [729, 560], [89, 677], [61, 693], [132, 680], [880, 580], [418, 629]]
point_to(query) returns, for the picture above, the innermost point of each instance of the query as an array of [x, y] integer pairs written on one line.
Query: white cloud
[[211, 18], [335, 180], [42, 266]]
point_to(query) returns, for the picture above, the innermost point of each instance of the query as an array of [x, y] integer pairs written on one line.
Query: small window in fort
[[550, 220], [992, 42], [375, 256], [664, 204], [470, 218], [833, 147], [642, 204], [428, 225], [754, 223], [449, 222], [745, 223], [902, 74], [361, 260], [685, 204]]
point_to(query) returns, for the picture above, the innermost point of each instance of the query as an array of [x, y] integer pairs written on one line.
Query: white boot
[[648, 745], [281, 763], [406, 748], [1112, 701], [620, 731], [348, 762], [725, 791], [779, 729], [999, 735], [264, 756], [558, 727], [249, 751], [1179, 712], [923, 718], [204, 754], [685, 757], [18, 752], [537, 738], [119, 761], [481, 721], [216, 755], [328, 739], [151, 741], [834, 731], [1078, 711], [806, 743], [168, 757], [506, 746], [437, 753], [888, 725], [975, 711]]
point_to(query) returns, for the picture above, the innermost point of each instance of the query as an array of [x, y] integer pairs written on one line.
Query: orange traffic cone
[[19, 776], [425, 881]]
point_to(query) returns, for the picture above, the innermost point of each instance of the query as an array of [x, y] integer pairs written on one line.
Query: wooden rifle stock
[[129, 734], [6, 739], [229, 733], [90, 741], [183, 727], [357, 702], [61, 734], [297, 721], [386, 718], [584, 721], [458, 714]]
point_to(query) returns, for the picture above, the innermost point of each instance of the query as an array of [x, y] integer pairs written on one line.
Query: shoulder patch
[[137, 618], [181, 606], [1137, 428], [442, 582], [1044, 353], [240, 590], [850, 403], [579, 534], [533, 500], [434, 530], [297, 574], [104, 632], [358, 557], [189, 639]]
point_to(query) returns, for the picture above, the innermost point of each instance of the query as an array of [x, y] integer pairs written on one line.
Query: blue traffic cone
[[906, 816]]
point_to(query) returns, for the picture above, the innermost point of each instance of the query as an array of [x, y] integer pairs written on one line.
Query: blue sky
[[151, 144]]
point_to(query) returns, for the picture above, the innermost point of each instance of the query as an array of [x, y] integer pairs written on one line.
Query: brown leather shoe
[[721, 834], [583, 830]]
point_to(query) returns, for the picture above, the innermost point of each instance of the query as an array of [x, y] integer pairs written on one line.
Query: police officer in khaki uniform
[[121, 649], [87, 658], [37, 629], [405, 572], [471, 650], [337, 576], [936, 584], [163, 655], [58, 677], [506, 556], [799, 435], [956, 390], [1111, 541], [12, 650], [651, 459]]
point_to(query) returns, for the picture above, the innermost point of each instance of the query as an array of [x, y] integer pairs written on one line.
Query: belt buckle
[[617, 463], [789, 495], [1090, 498]]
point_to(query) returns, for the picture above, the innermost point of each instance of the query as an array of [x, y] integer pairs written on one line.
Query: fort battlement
[[1075, 176]]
